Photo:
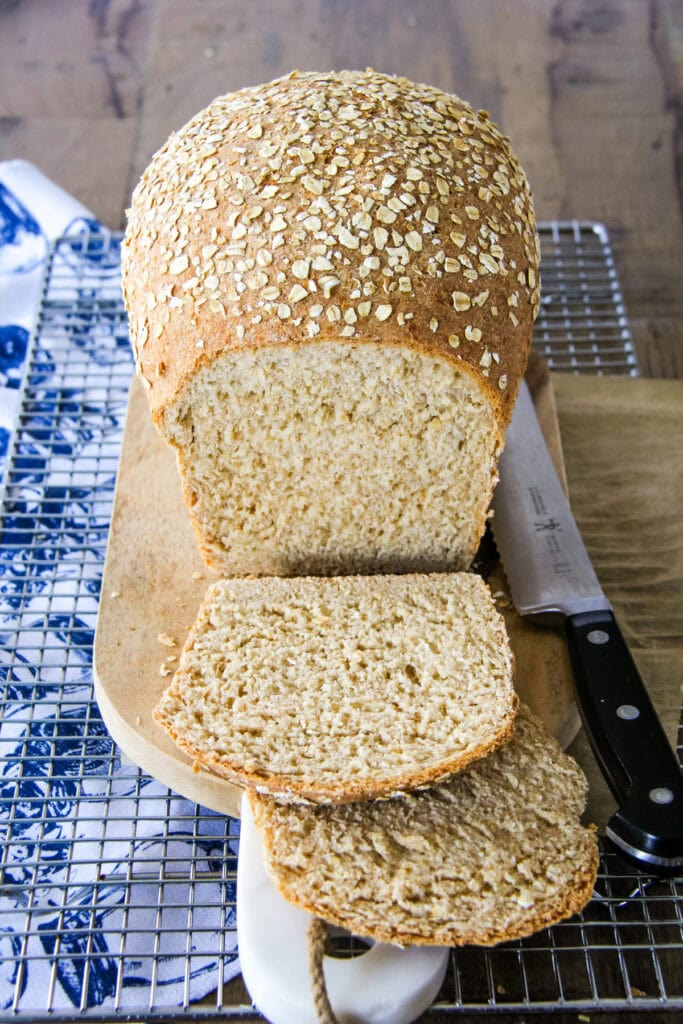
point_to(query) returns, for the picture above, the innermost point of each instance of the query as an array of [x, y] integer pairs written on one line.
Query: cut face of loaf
[[495, 853], [345, 688], [335, 458]]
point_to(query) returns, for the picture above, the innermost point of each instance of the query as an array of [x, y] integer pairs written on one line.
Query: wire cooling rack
[[117, 898]]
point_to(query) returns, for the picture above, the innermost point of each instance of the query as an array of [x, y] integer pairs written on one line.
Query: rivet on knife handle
[[628, 741]]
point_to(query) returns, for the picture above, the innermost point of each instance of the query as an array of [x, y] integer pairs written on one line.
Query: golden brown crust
[[321, 206]]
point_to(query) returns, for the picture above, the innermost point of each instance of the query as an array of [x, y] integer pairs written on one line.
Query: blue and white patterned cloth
[[32, 210], [69, 832]]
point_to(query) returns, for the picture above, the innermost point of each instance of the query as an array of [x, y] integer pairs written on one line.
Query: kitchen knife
[[550, 574]]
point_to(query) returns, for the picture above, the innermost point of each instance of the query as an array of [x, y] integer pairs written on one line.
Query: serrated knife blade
[[550, 573], [545, 559]]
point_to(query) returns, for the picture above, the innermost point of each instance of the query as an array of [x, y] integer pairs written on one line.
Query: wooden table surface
[[590, 91]]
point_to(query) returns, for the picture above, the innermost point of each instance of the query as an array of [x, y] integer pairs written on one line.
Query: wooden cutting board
[[154, 580]]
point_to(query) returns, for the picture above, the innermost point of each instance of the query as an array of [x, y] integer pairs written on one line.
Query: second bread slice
[[494, 854], [344, 689]]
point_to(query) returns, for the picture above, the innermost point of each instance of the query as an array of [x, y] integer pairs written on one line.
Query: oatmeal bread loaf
[[494, 854], [331, 281], [345, 688]]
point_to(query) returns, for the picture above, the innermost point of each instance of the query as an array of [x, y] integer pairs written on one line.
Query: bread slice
[[495, 853], [332, 281], [341, 689]]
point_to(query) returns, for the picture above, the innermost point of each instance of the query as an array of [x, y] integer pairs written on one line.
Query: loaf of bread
[[331, 281], [496, 853], [339, 689]]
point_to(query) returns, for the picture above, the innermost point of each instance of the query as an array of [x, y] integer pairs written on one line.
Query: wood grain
[[70, 59], [591, 92], [623, 441], [56, 146]]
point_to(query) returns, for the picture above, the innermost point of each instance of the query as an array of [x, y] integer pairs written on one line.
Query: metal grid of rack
[[116, 896]]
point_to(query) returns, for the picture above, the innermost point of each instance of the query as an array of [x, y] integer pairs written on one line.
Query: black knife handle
[[629, 743]]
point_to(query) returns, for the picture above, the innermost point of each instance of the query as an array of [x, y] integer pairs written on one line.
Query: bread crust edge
[[572, 900], [293, 790]]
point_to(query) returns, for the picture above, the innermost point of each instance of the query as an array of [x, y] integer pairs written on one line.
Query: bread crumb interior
[[335, 458]]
